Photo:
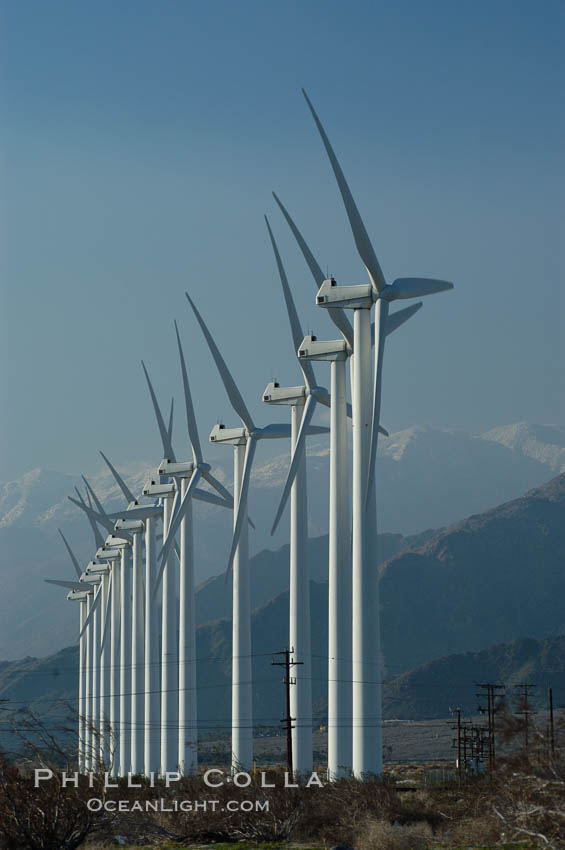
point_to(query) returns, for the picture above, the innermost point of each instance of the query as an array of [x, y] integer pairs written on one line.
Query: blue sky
[[141, 141]]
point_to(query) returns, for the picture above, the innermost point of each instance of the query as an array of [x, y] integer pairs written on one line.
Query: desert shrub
[[45, 818], [479, 830], [382, 835]]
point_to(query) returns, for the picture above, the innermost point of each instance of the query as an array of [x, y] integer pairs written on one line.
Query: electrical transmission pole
[[457, 742], [551, 729], [492, 707], [525, 692], [288, 720]]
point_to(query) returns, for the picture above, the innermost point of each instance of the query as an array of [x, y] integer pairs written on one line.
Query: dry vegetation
[[521, 806]]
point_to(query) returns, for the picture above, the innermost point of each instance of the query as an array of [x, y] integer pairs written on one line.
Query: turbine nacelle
[[230, 436], [275, 394], [134, 525], [330, 294], [94, 569], [80, 595], [154, 489], [362, 296], [114, 542], [137, 513], [312, 348], [108, 553], [87, 578], [183, 470]]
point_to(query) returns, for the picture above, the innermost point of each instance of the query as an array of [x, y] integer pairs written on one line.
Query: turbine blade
[[95, 518], [98, 539], [336, 314], [309, 409], [362, 241], [140, 512], [381, 319], [95, 498], [234, 395], [416, 287], [349, 410], [218, 486], [295, 329], [276, 430], [71, 554], [106, 618], [242, 502], [397, 319], [93, 607], [71, 585], [211, 498], [170, 425], [128, 495], [190, 417], [168, 453]]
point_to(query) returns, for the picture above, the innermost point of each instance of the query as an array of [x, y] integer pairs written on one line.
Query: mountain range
[[428, 478], [480, 600]]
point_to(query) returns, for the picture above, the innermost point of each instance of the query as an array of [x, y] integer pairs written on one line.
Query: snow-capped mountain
[[427, 478], [544, 443]]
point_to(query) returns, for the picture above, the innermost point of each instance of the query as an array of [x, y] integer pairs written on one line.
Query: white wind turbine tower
[[302, 401], [244, 440], [118, 547], [145, 680], [167, 492], [109, 569], [367, 712], [189, 474], [114, 548], [96, 673], [144, 672], [115, 701], [81, 595], [169, 647], [126, 522], [339, 564], [109, 655], [90, 626], [101, 570]]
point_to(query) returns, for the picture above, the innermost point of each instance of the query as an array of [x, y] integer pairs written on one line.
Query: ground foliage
[[521, 805]]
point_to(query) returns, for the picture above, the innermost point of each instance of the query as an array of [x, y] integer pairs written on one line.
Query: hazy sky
[[140, 144]]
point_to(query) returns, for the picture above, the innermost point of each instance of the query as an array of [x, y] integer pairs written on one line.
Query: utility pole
[[525, 691], [551, 729], [492, 707], [457, 742], [288, 719]]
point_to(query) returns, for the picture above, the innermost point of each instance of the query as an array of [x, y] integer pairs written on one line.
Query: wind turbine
[[100, 648], [93, 653], [81, 596], [111, 551], [339, 562], [128, 524], [99, 674], [302, 401], [339, 559], [244, 440], [189, 474], [169, 648], [367, 716]]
